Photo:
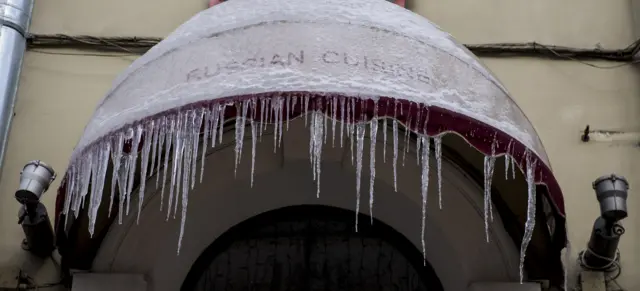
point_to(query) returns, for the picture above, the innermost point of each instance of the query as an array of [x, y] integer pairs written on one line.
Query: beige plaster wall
[[58, 93]]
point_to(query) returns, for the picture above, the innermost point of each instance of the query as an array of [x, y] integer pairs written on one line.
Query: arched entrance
[[311, 248]]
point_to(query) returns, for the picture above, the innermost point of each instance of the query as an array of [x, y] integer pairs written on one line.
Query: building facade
[[60, 88]]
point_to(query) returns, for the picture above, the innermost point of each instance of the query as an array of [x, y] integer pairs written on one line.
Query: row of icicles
[[172, 142]]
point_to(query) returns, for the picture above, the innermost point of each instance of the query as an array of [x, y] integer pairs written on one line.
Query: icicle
[[117, 159], [312, 137], [123, 176], [144, 164], [75, 204], [84, 180], [350, 127], [71, 190], [317, 132], [492, 164], [353, 111], [215, 118], [68, 180], [531, 211], [178, 149], [168, 146], [154, 147], [406, 141], [195, 131], [384, 140], [221, 116], [395, 154], [97, 185], [162, 130], [122, 184], [437, 140], [334, 107], [274, 109], [424, 192], [343, 119], [184, 166], [305, 101], [489, 166], [190, 123], [134, 161], [360, 131], [280, 120], [254, 139], [205, 139], [241, 109], [487, 197], [324, 119], [372, 161]]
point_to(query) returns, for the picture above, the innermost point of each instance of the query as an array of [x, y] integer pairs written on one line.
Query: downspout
[[15, 18]]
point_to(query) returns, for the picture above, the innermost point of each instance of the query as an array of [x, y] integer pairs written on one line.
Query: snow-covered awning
[[272, 60]]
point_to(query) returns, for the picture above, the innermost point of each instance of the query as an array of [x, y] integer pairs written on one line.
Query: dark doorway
[[311, 248]]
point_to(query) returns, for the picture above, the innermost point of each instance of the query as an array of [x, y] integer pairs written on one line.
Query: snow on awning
[[266, 61]]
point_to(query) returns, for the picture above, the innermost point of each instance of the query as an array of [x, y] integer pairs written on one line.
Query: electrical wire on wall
[[133, 46]]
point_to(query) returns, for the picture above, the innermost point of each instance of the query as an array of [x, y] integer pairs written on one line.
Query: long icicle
[[318, 132], [116, 158], [195, 131], [177, 160], [133, 156], [168, 146], [424, 193], [531, 211], [254, 138], [372, 162], [191, 135], [360, 130], [182, 167], [146, 151], [162, 130], [205, 139]]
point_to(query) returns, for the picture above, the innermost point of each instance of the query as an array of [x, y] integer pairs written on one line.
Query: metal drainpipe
[[15, 18]]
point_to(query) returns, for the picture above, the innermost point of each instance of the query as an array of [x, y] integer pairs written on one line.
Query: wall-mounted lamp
[[35, 179], [602, 249]]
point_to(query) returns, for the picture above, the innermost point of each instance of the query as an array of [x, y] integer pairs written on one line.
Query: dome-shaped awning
[[353, 60]]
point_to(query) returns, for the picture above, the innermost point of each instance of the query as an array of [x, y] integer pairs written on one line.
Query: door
[[312, 248]]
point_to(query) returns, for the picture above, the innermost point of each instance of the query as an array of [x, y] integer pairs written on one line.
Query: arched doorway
[[310, 248]]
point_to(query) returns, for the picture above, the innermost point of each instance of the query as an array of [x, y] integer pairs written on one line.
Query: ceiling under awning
[[351, 60]]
